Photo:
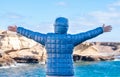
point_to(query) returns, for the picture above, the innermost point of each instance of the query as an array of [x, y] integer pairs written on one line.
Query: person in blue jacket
[[60, 45]]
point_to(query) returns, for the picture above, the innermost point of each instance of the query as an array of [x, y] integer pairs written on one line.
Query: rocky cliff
[[16, 48], [20, 49], [96, 51]]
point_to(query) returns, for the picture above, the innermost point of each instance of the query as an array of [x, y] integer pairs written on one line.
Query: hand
[[12, 28], [107, 28]]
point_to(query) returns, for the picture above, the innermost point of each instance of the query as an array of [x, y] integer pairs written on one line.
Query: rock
[[92, 58], [20, 47], [104, 58], [6, 60], [96, 51], [26, 59], [86, 49]]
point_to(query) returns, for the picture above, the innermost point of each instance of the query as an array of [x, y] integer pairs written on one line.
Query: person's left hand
[[107, 28]]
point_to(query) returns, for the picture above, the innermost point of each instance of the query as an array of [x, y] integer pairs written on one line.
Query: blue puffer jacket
[[59, 48]]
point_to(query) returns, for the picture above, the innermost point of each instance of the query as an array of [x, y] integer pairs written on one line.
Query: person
[[60, 45]]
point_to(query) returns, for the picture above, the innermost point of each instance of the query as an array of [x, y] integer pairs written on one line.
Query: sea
[[82, 69]]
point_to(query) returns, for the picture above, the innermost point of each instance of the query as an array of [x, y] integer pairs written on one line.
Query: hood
[[61, 25]]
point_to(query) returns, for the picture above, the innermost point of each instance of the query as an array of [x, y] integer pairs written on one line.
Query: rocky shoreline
[[16, 48], [96, 51]]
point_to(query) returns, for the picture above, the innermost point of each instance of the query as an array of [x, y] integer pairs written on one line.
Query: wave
[[117, 58], [14, 65]]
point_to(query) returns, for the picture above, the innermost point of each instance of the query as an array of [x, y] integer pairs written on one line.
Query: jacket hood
[[61, 25]]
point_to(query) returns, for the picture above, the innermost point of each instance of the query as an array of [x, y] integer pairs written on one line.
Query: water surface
[[82, 69]]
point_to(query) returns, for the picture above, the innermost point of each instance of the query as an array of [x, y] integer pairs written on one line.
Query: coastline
[[16, 48]]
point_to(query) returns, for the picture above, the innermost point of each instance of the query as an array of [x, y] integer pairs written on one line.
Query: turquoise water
[[82, 69]]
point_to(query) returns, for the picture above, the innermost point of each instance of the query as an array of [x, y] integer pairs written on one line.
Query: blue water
[[82, 69]]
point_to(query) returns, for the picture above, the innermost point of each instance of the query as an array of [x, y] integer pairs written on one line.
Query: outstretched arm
[[38, 37], [81, 37]]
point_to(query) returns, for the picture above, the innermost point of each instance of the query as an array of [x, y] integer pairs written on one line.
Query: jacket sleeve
[[38, 37], [81, 37]]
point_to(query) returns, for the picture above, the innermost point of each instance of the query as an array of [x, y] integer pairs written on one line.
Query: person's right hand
[[12, 28]]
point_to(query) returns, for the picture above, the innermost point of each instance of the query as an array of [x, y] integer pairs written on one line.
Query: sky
[[83, 15]]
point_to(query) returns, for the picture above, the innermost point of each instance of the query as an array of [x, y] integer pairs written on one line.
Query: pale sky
[[83, 15]]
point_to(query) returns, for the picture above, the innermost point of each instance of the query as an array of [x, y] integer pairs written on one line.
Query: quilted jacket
[[59, 48]]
